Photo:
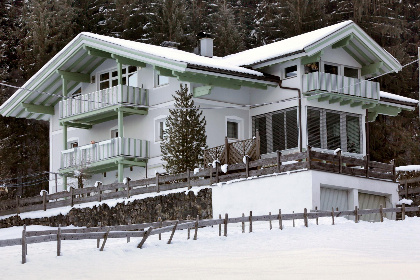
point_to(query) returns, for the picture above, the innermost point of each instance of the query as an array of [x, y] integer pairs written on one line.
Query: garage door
[[371, 201], [334, 198]]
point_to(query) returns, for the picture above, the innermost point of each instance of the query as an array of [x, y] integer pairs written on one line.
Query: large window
[[110, 78], [278, 130], [232, 130], [332, 129]]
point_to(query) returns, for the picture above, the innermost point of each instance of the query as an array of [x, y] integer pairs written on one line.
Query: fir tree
[[185, 134]]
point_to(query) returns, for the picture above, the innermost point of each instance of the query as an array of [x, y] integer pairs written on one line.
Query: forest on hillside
[[33, 31]]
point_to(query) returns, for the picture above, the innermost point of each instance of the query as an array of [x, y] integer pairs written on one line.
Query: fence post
[[217, 172], [356, 214], [56, 183], [247, 166], [381, 211], [293, 218], [308, 151], [71, 197], [305, 217], [280, 220], [316, 210], [105, 238], [17, 205], [157, 182], [403, 212], [196, 228], [269, 220], [98, 241], [59, 241], [340, 162], [128, 188], [100, 191], [332, 215], [160, 225], [188, 178], [24, 245], [243, 223], [257, 134], [220, 225], [367, 165], [250, 221], [226, 150], [211, 173], [44, 200], [225, 225], [172, 234], [146, 235], [278, 161], [189, 229], [394, 174]]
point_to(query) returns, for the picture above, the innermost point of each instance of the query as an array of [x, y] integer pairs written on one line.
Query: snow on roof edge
[[388, 95]]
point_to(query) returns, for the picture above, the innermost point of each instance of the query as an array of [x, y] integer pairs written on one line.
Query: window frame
[[157, 128], [285, 71], [125, 76], [240, 129], [323, 129]]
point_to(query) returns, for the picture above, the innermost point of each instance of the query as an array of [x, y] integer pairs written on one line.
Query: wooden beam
[[73, 76], [335, 100], [345, 102], [372, 68], [312, 58], [357, 103], [368, 105], [343, 42], [164, 72], [77, 125], [128, 61], [324, 98], [201, 91], [95, 52], [39, 109]]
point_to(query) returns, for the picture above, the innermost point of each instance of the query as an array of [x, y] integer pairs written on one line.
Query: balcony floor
[[105, 165], [88, 119]]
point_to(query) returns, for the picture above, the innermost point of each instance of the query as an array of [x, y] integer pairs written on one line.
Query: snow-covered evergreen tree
[[185, 134]]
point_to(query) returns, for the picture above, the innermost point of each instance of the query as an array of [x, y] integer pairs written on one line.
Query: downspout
[[299, 111]]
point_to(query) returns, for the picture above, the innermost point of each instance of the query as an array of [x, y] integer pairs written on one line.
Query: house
[[107, 99]]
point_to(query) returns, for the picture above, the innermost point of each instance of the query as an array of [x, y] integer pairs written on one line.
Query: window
[[331, 130], [351, 72], [332, 69], [110, 78], [311, 67], [74, 144], [162, 80], [278, 130], [160, 127], [232, 130], [290, 71]]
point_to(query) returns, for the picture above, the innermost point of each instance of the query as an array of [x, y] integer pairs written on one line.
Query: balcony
[[335, 88], [101, 106], [105, 155]]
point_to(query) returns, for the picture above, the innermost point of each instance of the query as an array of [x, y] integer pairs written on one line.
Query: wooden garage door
[[334, 198], [371, 201]]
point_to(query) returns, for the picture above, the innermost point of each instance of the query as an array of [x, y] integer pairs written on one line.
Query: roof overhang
[[356, 42], [78, 59]]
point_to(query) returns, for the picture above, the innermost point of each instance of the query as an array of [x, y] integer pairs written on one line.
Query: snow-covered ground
[[389, 250]]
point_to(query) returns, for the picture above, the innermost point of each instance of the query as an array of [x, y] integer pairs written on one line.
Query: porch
[[112, 154], [100, 106]]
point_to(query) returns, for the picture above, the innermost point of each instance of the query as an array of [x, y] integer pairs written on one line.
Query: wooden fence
[[410, 189], [281, 163], [232, 153], [157, 228]]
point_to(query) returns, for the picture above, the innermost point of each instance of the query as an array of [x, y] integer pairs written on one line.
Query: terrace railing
[[120, 146], [120, 94], [319, 81]]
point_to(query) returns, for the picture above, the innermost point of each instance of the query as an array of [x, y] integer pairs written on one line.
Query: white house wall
[[294, 192]]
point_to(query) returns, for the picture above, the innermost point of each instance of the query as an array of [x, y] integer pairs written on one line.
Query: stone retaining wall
[[170, 207]]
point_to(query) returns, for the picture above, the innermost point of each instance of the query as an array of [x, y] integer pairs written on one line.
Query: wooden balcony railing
[[232, 153], [120, 94], [340, 84], [84, 155]]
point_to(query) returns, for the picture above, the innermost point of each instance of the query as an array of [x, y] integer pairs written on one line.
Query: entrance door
[[334, 198], [371, 201]]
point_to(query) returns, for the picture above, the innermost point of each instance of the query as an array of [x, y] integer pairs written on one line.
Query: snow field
[[346, 250]]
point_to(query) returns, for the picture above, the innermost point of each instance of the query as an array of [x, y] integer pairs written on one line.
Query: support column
[[65, 93], [120, 172], [120, 123]]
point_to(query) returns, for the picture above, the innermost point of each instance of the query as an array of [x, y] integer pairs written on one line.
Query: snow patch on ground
[[408, 168]]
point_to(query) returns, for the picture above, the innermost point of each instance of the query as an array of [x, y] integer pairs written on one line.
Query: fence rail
[[157, 228], [281, 163]]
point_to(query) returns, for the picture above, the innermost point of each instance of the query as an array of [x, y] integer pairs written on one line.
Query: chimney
[[206, 44]]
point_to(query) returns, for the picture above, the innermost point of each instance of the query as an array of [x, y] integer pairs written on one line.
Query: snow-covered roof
[[174, 54], [284, 47], [384, 94]]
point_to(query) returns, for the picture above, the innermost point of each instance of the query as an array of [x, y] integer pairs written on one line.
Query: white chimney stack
[[206, 44]]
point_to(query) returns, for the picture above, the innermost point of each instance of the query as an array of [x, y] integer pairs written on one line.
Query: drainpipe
[[299, 111]]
